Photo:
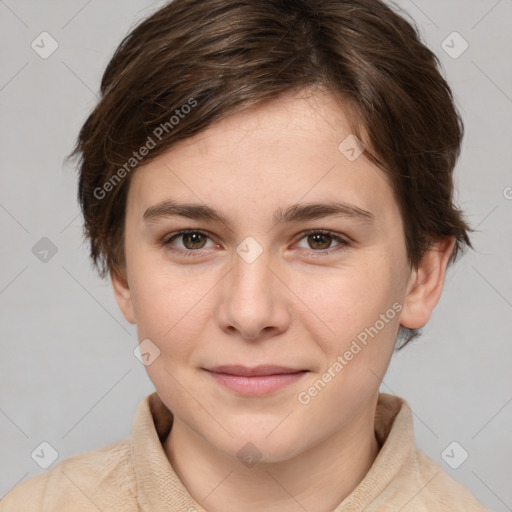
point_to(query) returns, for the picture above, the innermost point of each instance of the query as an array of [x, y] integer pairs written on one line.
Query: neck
[[317, 480]]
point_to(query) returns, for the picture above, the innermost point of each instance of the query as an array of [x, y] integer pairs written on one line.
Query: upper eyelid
[[176, 234], [337, 236]]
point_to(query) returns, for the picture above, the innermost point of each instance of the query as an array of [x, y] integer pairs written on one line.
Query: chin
[[256, 447]]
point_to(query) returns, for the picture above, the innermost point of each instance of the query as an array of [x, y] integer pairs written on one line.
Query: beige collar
[[159, 487]]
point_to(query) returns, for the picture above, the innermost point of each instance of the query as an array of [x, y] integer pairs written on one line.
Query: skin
[[294, 305]]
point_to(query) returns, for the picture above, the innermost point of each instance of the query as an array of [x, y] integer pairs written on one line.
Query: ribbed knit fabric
[[135, 475]]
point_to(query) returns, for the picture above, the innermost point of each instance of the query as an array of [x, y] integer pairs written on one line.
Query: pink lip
[[256, 381]]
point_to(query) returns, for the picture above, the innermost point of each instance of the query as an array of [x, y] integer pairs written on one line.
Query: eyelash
[[199, 252]]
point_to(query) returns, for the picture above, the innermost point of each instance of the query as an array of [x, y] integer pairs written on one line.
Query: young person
[[269, 186]]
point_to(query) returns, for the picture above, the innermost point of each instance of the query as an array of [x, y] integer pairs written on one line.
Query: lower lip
[[257, 385]]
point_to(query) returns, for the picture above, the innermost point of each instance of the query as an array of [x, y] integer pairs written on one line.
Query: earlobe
[[426, 284], [123, 295]]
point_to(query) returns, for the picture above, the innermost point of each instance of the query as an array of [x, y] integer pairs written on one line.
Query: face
[[261, 280]]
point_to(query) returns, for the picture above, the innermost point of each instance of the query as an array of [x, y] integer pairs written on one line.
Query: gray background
[[68, 375]]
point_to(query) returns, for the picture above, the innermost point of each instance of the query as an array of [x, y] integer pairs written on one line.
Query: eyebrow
[[294, 213]]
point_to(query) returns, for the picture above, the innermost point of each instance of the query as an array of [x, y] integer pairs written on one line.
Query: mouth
[[255, 381]]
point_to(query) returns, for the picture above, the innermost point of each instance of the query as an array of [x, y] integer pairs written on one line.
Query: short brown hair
[[219, 56]]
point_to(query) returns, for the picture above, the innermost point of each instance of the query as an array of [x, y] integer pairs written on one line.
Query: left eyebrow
[[311, 211], [294, 213]]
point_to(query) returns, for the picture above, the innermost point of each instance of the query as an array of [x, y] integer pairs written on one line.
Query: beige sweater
[[135, 475]]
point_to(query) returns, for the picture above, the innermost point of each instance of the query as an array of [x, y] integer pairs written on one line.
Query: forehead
[[289, 150]]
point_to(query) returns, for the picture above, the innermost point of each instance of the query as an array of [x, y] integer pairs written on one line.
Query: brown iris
[[195, 240], [319, 238]]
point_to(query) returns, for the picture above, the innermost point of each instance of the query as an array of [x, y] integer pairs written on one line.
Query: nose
[[254, 301]]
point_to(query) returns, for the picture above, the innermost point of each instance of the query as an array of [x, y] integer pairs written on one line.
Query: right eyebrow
[[170, 208]]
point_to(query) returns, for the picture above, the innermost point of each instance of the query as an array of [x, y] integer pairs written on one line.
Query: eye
[[191, 240], [320, 241]]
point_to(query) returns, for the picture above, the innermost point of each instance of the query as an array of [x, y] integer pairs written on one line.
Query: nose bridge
[[251, 299], [251, 264]]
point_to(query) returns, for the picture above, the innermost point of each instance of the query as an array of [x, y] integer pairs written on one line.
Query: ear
[[122, 294], [426, 284]]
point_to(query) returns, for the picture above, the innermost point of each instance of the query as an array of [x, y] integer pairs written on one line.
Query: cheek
[[348, 301], [170, 309]]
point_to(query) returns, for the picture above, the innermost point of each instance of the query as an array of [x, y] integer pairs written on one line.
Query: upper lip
[[253, 371]]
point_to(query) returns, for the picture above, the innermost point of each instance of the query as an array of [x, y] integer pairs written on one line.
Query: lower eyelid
[[341, 242]]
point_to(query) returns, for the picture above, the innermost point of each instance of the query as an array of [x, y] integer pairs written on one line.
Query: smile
[[258, 381]]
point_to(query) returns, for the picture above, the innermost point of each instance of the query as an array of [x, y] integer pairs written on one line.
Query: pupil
[[195, 237], [318, 238]]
